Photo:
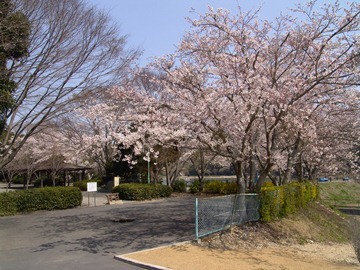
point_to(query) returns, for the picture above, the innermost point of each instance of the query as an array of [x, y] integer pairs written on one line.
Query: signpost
[[91, 187]]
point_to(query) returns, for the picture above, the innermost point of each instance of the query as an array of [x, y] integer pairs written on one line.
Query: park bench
[[112, 197]]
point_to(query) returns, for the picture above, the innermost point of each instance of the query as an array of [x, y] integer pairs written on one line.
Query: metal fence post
[[197, 218], [233, 211]]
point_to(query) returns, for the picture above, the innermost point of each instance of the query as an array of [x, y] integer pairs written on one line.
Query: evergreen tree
[[14, 41]]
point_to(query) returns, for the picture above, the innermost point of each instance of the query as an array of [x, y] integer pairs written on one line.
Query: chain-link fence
[[219, 213]]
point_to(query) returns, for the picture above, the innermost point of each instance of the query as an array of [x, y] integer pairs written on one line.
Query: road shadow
[[100, 232]]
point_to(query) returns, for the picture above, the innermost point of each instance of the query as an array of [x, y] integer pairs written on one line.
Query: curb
[[148, 266], [140, 264]]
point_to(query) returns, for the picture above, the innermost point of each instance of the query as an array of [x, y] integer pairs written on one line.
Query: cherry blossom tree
[[48, 150], [337, 137], [129, 120], [200, 161], [26, 161], [53, 151], [241, 84], [261, 95]]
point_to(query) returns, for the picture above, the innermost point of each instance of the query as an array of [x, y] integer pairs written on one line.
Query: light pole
[[149, 170]]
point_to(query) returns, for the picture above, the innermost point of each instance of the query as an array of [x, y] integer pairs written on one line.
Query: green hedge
[[140, 192], [179, 185], [277, 202], [195, 187], [219, 187], [8, 203], [47, 198]]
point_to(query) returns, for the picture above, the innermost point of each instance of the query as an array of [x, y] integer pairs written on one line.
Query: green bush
[[18, 179], [47, 198], [179, 185], [8, 204], [228, 188], [213, 187], [284, 200], [195, 187], [267, 184], [162, 191], [219, 187], [47, 182], [271, 203], [140, 192]]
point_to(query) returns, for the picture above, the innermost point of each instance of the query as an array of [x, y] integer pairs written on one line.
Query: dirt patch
[[315, 238], [310, 256]]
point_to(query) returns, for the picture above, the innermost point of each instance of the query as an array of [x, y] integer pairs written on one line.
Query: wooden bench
[[112, 197]]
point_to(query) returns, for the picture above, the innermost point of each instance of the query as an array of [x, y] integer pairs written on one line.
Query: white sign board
[[116, 181], [91, 186]]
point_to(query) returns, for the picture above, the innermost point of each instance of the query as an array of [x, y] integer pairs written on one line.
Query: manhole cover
[[122, 219]]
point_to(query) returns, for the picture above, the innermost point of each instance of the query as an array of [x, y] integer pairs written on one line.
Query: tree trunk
[[291, 160], [53, 178], [300, 172], [167, 174], [263, 175], [252, 175], [201, 172], [288, 170], [239, 203], [28, 178], [240, 181]]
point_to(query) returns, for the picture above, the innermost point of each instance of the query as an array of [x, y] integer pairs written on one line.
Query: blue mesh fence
[[217, 213]]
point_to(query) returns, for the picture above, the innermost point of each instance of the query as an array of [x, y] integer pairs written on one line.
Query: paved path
[[88, 238]]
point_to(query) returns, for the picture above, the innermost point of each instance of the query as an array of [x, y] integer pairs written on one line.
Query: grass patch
[[316, 223], [340, 193]]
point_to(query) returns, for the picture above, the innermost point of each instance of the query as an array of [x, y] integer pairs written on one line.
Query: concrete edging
[[149, 266]]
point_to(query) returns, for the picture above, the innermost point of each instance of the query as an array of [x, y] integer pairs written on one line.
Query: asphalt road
[[89, 237]]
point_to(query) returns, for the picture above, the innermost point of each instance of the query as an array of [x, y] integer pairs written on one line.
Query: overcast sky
[[156, 26]]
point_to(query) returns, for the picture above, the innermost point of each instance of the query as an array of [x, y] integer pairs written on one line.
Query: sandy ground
[[295, 257]]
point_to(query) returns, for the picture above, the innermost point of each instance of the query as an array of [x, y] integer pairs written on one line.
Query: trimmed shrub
[[195, 187], [179, 185], [272, 201], [8, 203], [228, 188], [48, 198], [140, 192], [277, 202], [219, 187], [267, 184], [162, 191], [213, 187]]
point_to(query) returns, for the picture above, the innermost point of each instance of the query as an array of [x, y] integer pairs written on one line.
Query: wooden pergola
[[49, 167], [62, 168]]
